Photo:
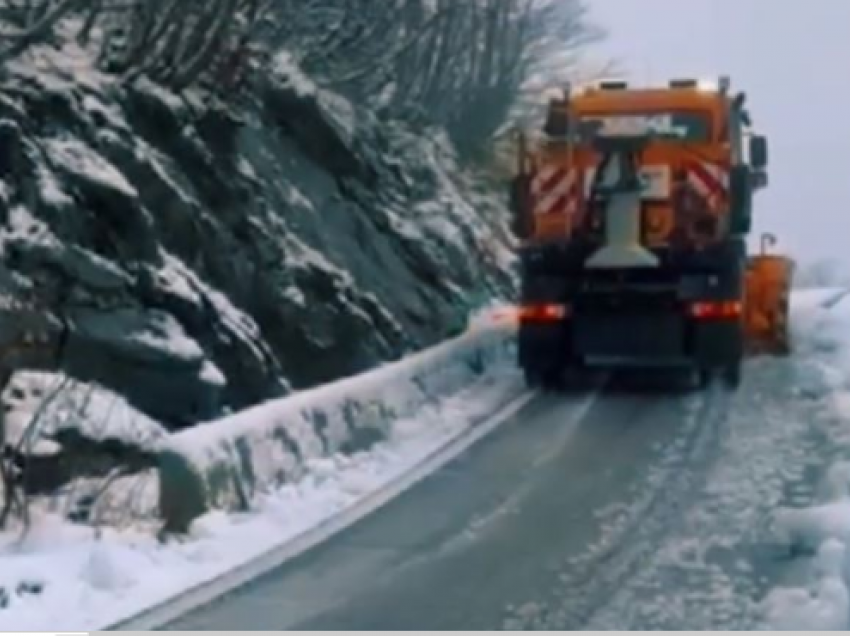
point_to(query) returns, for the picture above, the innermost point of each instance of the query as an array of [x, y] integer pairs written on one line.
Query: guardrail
[[225, 464]]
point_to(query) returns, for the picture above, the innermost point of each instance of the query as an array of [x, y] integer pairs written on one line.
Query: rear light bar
[[717, 310], [543, 313]]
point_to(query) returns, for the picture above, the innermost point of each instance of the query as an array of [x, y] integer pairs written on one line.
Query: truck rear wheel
[[532, 378], [548, 380], [731, 375]]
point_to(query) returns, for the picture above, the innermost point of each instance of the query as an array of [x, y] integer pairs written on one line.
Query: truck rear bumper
[[649, 340], [631, 336]]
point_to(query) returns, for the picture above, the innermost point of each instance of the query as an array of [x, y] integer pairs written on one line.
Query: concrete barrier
[[225, 464]]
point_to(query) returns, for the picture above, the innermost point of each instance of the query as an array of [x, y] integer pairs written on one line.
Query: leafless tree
[[175, 42], [456, 64], [16, 454], [32, 22]]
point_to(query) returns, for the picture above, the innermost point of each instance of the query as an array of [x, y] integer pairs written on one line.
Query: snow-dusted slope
[[210, 257], [205, 258]]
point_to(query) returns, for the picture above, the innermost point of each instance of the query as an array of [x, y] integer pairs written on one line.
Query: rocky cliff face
[[194, 258]]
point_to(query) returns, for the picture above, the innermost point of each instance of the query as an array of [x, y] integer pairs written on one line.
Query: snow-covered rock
[[195, 258]]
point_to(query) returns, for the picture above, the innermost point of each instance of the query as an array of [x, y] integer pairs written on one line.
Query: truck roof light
[[684, 83], [613, 85], [708, 86]]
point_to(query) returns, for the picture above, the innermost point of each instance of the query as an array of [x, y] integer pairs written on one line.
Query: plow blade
[[767, 303]]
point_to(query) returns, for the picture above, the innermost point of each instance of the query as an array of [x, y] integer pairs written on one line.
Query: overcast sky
[[791, 59]]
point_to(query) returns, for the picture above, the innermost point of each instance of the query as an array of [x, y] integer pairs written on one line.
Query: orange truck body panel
[[712, 152]]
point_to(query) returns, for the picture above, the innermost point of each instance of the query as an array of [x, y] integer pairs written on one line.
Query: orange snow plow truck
[[634, 207]]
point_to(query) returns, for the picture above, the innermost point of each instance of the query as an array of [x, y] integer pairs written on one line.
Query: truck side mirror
[[759, 180], [741, 194], [521, 222], [557, 124], [759, 152]]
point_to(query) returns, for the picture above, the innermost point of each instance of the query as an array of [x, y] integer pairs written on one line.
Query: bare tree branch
[[42, 29], [458, 64]]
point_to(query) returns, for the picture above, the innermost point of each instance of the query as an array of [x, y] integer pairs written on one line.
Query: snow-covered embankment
[[224, 464], [89, 579], [817, 594]]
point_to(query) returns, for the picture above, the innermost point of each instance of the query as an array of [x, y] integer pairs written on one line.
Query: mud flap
[[543, 351]]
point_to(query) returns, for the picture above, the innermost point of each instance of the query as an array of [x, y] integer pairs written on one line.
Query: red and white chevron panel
[[555, 190], [708, 179]]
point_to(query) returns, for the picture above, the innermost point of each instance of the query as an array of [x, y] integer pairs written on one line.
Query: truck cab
[[699, 168]]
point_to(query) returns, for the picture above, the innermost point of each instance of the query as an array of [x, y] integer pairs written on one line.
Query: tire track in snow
[[588, 583], [720, 561]]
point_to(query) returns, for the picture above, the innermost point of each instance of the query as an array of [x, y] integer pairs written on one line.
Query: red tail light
[[717, 310], [543, 313]]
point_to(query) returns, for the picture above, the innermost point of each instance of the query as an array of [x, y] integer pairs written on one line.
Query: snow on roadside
[[819, 535], [98, 414], [87, 582], [701, 560]]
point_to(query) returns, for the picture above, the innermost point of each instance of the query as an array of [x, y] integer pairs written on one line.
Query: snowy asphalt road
[[565, 518]]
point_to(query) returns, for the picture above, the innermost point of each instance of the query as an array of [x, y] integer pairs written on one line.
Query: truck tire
[[703, 379], [549, 380], [731, 375], [576, 378], [553, 381], [532, 378]]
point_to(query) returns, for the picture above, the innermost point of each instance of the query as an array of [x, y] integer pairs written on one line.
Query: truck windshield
[[689, 127]]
